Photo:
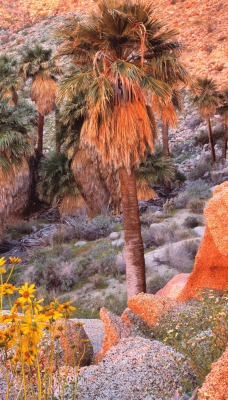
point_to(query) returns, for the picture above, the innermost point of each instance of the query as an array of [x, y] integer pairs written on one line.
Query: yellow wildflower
[[32, 327], [5, 318], [15, 260], [7, 288], [2, 270], [37, 308], [50, 315], [26, 292], [67, 308], [17, 304], [2, 261]]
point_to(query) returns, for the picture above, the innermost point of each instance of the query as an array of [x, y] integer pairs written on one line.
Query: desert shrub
[[62, 234], [53, 276], [196, 205], [202, 136], [157, 281], [115, 303], [181, 200], [147, 237], [181, 258], [198, 190], [198, 329], [191, 222], [199, 171], [163, 234], [93, 229], [99, 282]]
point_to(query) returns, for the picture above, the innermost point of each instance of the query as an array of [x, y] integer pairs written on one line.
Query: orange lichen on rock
[[215, 386], [211, 263], [115, 329], [174, 287], [150, 307]]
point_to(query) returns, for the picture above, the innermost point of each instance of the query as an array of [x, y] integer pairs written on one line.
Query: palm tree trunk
[[134, 252], [165, 139], [211, 142], [225, 138], [40, 134]]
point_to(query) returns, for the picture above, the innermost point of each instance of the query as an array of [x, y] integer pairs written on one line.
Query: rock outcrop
[[211, 263], [72, 344], [150, 307], [215, 386], [174, 287], [136, 368], [115, 328]]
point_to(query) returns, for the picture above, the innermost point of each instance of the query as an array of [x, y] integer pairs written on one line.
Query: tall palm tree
[[37, 64], [119, 49], [9, 80], [206, 99], [223, 111], [16, 144]]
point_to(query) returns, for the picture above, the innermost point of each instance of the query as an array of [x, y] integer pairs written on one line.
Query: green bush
[[191, 222], [198, 190], [196, 205], [198, 329], [93, 229], [199, 171]]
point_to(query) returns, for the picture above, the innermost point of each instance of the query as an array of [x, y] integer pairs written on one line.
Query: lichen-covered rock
[[174, 287], [150, 307], [136, 368], [215, 386], [74, 342], [115, 328], [211, 263]]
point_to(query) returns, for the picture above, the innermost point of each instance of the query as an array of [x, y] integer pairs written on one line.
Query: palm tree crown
[[36, 63], [206, 98], [124, 58], [9, 80]]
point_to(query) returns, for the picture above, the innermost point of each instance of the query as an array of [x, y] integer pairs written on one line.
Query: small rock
[[81, 243], [159, 214], [199, 230], [118, 243], [114, 235], [34, 229]]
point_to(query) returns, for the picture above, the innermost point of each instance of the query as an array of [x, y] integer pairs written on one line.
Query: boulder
[[174, 287], [211, 262], [74, 343], [150, 307], [115, 328], [215, 386], [136, 368]]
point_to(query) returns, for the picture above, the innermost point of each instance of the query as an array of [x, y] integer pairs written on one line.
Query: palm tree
[[119, 49], [223, 111], [9, 80], [36, 63], [206, 99], [16, 144]]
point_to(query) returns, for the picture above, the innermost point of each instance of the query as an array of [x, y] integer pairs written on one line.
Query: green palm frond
[[56, 178], [206, 97], [134, 59], [16, 126], [156, 168]]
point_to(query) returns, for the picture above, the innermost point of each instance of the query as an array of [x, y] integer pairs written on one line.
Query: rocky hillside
[[202, 25]]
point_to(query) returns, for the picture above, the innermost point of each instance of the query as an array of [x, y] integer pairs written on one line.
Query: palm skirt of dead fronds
[[145, 191], [14, 192], [71, 204]]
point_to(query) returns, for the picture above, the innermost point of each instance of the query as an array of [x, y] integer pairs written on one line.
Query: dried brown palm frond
[[14, 192], [70, 204], [43, 92], [145, 191], [122, 137]]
